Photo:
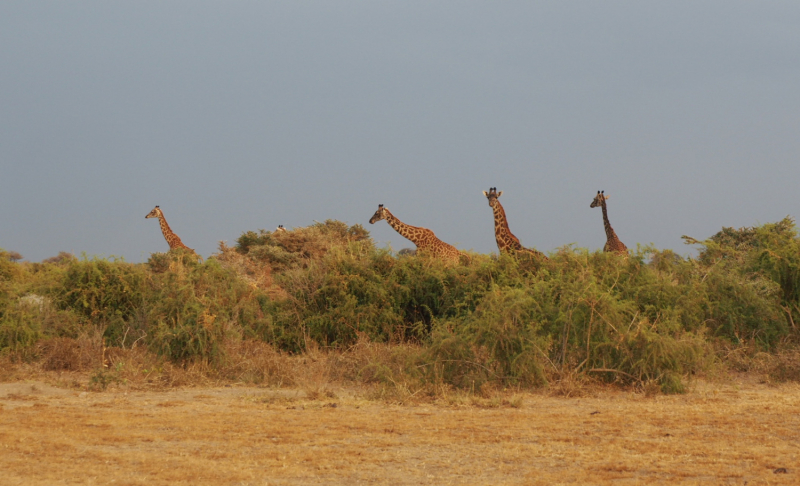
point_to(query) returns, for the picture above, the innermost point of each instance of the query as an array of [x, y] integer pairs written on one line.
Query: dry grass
[[257, 274], [86, 414], [733, 433], [782, 365]]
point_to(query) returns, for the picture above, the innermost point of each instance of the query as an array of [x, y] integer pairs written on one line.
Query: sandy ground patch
[[736, 433]]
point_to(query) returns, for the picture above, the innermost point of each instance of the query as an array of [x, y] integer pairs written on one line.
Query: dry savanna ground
[[735, 431]]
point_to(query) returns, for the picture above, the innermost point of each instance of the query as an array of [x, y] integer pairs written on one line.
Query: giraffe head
[[379, 214], [599, 199], [155, 213], [492, 195], [280, 228]]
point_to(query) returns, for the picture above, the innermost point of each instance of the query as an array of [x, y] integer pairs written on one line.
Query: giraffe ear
[[485, 193], [499, 193], [606, 197]]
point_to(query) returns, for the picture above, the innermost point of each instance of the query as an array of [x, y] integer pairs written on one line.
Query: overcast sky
[[235, 116]]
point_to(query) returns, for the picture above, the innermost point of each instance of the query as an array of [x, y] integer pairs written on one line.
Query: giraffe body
[[427, 242], [506, 241], [173, 240], [613, 244]]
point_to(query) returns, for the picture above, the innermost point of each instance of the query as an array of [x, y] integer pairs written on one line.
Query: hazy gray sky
[[235, 116]]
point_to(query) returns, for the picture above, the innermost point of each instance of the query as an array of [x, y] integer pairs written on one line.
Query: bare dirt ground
[[737, 432]]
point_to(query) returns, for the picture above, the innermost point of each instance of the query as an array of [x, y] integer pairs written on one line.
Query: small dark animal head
[[379, 214], [155, 213], [492, 195], [599, 199]]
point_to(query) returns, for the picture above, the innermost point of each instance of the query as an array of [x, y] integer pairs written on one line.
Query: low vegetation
[[408, 325]]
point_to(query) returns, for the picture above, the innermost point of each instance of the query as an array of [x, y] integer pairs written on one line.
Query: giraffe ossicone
[[427, 242]]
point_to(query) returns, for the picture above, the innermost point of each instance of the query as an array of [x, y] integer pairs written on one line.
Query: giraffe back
[[615, 246]]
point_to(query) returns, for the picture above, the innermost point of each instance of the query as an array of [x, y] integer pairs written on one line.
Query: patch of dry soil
[[736, 433]]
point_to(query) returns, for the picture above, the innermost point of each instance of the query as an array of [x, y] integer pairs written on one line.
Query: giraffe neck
[[172, 239], [505, 239], [610, 234], [406, 230], [500, 221]]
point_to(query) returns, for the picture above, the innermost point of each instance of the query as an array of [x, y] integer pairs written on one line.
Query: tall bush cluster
[[645, 318]]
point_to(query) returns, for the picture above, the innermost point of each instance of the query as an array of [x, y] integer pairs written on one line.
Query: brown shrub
[[256, 362], [297, 248], [62, 258], [779, 366], [785, 366], [256, 273], [69, 354]]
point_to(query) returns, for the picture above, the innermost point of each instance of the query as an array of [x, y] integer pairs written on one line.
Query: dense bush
[[647, 318], [768, 257]]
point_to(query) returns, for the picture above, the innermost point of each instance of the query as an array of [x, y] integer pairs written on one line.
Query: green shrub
[[105, 293], [640, 320], [20, 330], [754, 288], [506, 327], [191, 310]]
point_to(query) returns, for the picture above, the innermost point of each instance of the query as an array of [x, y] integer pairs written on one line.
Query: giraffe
[[172, 239], [280, 229], [506, 241], [426, 241], [612, 241]]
